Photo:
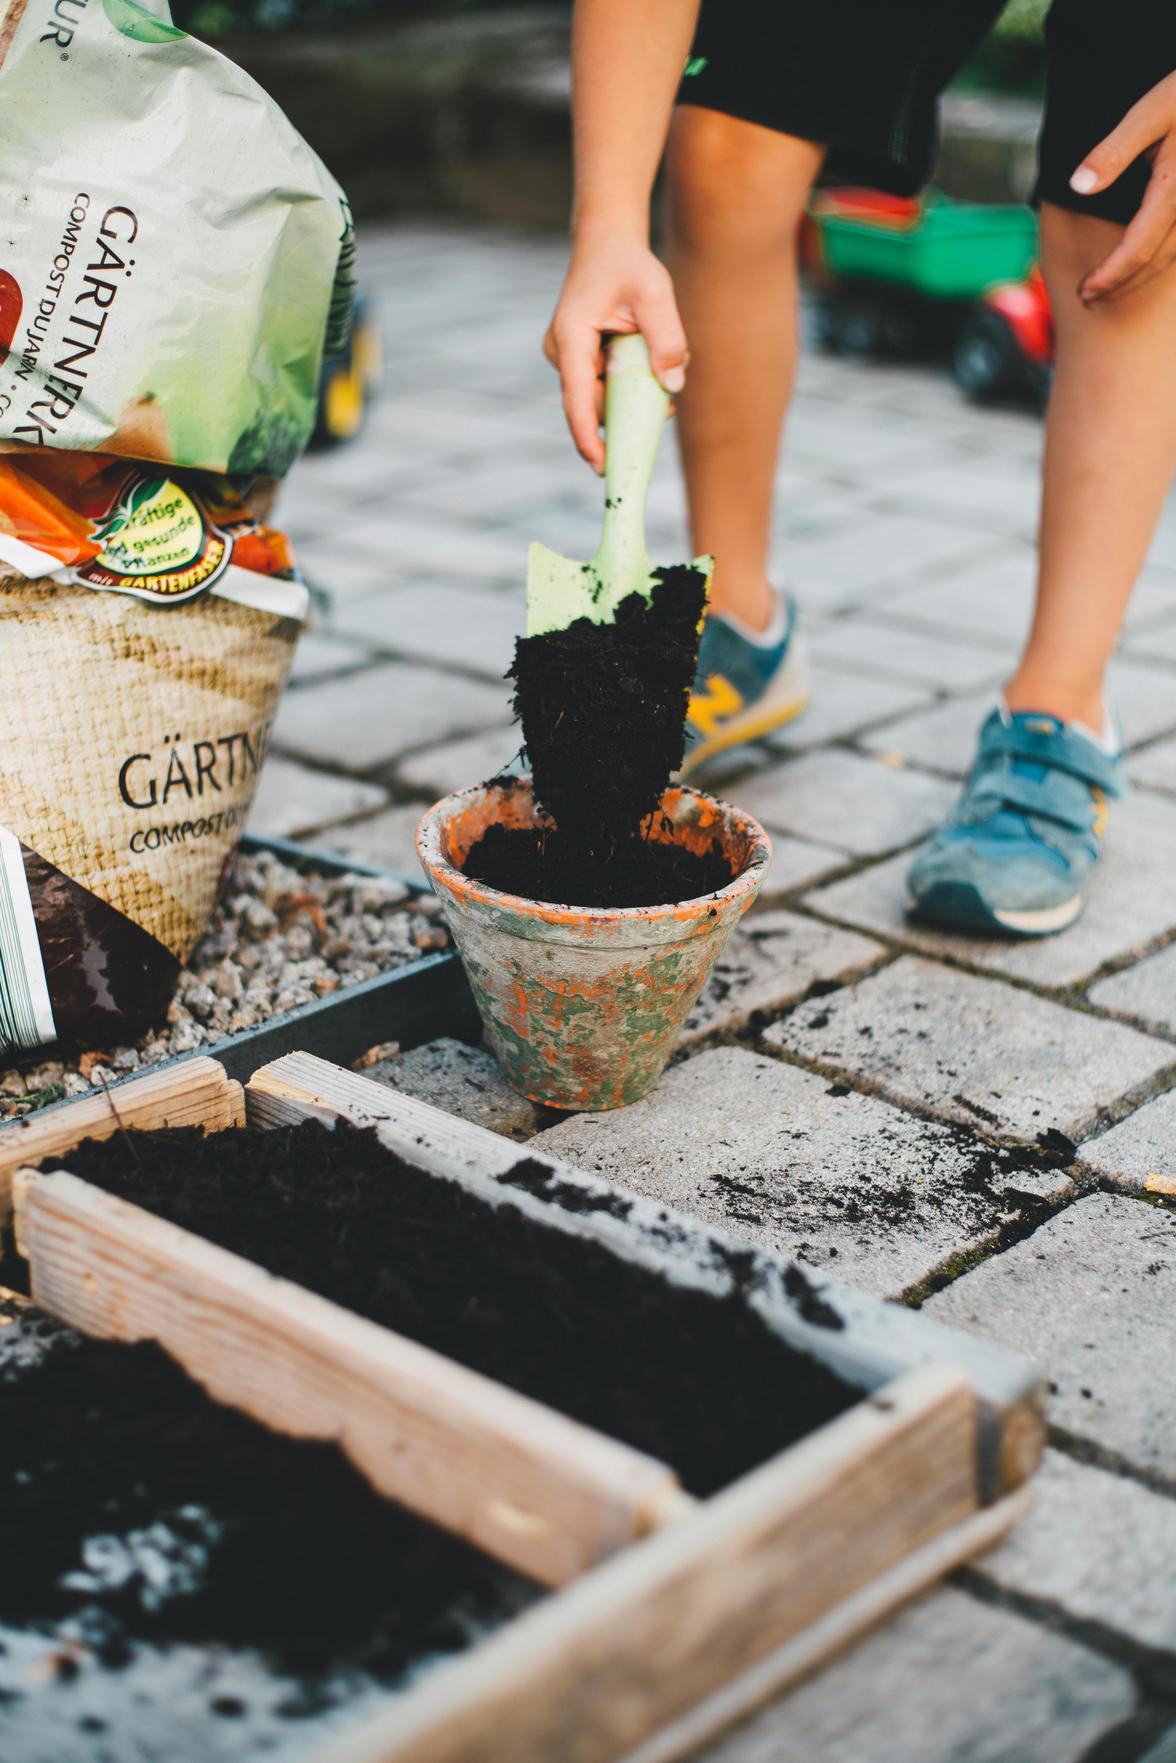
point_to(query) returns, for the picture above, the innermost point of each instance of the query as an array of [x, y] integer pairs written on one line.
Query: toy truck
[[919, 277]]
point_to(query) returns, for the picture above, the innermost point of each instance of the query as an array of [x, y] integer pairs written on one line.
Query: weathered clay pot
[[583, 1004]]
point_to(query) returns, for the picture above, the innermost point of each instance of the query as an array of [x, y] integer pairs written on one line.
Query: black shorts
[[862, 78]]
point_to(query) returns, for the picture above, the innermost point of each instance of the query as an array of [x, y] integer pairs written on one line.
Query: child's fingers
[[656, 312], [1144, 124], [1143, 240], [577, 356]]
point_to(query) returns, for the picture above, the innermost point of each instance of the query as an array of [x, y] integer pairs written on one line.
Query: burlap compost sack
[[172, 250], [147, 624]]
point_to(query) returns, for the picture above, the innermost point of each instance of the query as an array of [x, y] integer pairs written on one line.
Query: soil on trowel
[[603, 712], [540, 864], [135, 1509], [697, 1380]]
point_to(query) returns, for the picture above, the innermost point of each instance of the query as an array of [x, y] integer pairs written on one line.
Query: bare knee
[[733, 184]]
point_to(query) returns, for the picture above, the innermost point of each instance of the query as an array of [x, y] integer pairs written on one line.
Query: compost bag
[[147, 624], [172, 250], [173, 258]]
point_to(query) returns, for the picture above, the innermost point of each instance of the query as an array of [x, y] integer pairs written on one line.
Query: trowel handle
[[635, 410]]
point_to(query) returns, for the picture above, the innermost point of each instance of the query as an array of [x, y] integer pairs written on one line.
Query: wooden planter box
[[673, 1616]]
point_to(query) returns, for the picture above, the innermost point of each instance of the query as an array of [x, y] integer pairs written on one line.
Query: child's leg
[[1109, 461], [736, 195]]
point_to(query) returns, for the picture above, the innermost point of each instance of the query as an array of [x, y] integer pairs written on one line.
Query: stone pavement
[[867, 1097]]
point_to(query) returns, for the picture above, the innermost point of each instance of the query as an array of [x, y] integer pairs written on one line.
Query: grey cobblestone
[[1130, 903], [292, 800], [973, 1050], [1099, 1546], [388, 838], [1092, 1295], [860, 805], [367, 719], [770, 959], [1017, 1695], [1142, 1146], [1147, 989], [815, 1170], [465, 1081]]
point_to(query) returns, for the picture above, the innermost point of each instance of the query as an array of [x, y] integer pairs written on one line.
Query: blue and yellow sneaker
[[1017, 851], [745, 686]]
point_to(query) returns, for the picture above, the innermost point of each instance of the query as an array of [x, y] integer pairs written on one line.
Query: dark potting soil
[[603, 712], [137, 1507], [698, 1381], [542, 865]]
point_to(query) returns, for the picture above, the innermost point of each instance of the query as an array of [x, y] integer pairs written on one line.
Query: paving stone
[[1155, 767], [944, 736], [455, 765], [972, 1049], [465, 1081], [439, 622], [365, 719], [441, 547], [990, 598], [796, 863], [1142, 1146], [318, 656], [840, 1180], [388, 838], [1130, 903], [1090, 1295], [291, 800], [1165, 1751], [874, 554], [1100, 1546], [770, 959], [858, 804], [843, 704], [1146, 990], [979, 491], [875, 647], [949, 1680]]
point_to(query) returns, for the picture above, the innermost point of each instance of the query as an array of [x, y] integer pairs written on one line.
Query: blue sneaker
[[743, 689], [1017, 850]]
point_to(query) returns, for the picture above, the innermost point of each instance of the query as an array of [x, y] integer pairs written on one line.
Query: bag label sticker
[[157, 544]]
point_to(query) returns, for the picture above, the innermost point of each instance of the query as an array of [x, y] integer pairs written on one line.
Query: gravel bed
[[280, 938]]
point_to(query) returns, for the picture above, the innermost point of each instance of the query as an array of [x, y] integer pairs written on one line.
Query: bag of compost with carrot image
[[147, 625]]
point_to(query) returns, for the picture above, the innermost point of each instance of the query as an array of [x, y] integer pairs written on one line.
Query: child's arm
[[626, 63]]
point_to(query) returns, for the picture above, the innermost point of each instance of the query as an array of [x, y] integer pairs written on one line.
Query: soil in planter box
[[135, 1509], [696, 1380], [603, 710]]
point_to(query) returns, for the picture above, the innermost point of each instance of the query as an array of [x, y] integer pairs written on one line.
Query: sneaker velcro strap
[[1058, 749], [1044, 798]]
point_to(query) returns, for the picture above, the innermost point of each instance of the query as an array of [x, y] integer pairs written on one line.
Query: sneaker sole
[[787, 698], [960, 906]]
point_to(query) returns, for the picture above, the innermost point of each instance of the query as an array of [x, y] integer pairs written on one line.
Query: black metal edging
[[417, 1002]]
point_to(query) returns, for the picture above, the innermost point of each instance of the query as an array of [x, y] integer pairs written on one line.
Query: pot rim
[[467, 892]]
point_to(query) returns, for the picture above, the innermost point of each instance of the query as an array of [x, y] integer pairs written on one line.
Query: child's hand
[[614, 284], [1149, 244]]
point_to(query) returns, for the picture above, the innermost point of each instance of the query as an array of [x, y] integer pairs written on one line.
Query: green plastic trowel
[[560, 590]]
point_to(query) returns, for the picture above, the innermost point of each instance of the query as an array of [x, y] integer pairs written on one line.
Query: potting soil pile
[[170, 273], [603, 713], [138, 1513], [698, 1381]]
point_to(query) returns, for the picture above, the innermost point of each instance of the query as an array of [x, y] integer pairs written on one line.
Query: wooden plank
[[539, 1491], [879, 1341], [633, 1645], [193, 1092], [833, 1634]]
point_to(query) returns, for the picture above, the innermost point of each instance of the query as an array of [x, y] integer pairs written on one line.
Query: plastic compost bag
[[171, 249], [172, 255]]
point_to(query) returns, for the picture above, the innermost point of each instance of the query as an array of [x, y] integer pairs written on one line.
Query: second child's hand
[[1148, 246], [614, 284]]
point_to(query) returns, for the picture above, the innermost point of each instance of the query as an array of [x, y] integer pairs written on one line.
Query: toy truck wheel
[[986, 361]]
